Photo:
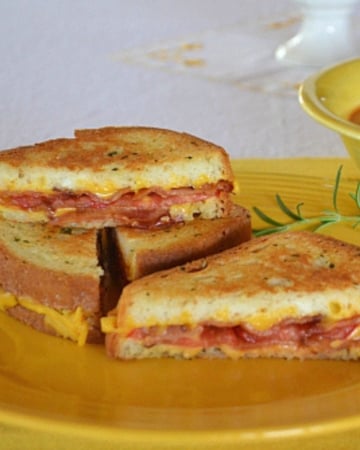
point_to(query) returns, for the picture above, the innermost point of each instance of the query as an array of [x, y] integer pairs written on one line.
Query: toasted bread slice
[[50, 278], [142, 252], [290, 295], [133, 176]]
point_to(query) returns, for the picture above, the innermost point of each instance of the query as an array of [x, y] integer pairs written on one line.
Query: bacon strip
[[308, 331], [144, 208]]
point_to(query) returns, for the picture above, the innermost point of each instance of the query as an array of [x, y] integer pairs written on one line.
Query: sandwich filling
[[312, 332], [146, 208]]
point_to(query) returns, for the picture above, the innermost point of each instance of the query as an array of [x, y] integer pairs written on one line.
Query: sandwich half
[[139, 252], [116, 176], [51, 279], [288, 295]]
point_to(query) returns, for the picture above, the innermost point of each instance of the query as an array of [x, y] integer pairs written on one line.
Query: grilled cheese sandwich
[[133, 176], [290, 295]]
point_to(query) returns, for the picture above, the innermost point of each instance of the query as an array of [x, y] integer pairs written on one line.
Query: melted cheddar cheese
[[68, 324], [108, 324]]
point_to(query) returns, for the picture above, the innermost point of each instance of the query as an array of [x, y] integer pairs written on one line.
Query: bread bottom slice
[[128, 349]]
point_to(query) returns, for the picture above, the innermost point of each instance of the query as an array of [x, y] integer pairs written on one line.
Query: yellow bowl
[[332, 97]]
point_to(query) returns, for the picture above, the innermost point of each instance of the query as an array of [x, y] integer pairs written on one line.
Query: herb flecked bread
[[133, 176], [50, 278], [289, 295]]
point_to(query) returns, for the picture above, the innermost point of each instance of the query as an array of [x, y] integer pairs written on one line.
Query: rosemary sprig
[[315, 223]]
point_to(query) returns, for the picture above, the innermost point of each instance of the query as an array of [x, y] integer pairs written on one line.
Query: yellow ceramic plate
[[50, 384]]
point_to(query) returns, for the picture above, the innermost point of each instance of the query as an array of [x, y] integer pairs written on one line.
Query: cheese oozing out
[[68, 324]]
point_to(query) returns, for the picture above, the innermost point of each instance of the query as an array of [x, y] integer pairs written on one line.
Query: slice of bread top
[[116, 176], [50, 278], [289, 295], [141, 252]]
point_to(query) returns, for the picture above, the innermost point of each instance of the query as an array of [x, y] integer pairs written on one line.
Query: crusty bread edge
[[127, 348], [228, 232]]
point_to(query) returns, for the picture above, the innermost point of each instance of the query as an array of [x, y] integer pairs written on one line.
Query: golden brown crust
[[52, 247], [298, 257], [160, 144], [57, 267], [118, 150], [52, 272], [49, 287], [295, 262], [143, 252]]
